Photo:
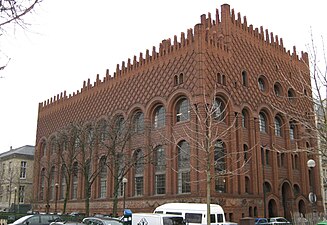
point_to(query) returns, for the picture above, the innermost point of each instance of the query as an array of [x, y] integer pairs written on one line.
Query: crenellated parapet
[[214, 34]]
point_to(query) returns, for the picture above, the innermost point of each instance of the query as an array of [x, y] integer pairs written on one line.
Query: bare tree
[[13, 12], [209, 125]]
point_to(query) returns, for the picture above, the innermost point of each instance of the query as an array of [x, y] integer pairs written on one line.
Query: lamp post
[[15, 194], [56, 197], [312, 196], [124, 190]]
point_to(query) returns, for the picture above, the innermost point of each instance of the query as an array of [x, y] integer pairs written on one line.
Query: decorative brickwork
[[222, 57]]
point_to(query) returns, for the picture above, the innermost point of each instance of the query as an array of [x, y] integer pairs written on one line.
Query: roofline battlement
[[216, 33]]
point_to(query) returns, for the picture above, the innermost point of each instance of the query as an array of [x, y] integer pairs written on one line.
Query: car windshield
[[281, 220], [22, 219]]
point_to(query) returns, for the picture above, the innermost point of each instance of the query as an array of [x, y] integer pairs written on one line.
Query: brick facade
[[223, 57]]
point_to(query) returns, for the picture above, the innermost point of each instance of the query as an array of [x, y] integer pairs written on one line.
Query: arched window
[[245, 118], [139, 172], [219, 78], [43, 148], [90, 136], [267, 187], [247, 185], [63, 182], [52, 183], [160, 171], [261, 84], [53, 146], [262, 122], [103, 178], [75, 180], [181, 78], [119, 125], [42, 184], [138, 122], [292, 130], [159, 117], [244, 78], [182, 110], [103, 130], [220, 166], [278, 126], [183, 181], [219, 109]]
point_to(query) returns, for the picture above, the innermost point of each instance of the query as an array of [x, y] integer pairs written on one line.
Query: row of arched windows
[[160, 161]]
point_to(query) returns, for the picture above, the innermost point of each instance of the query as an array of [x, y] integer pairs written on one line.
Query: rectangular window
[[184, 182], [193, 218], [23, 166], [160, 185], [21, 194], [103, 188], [138, 186]]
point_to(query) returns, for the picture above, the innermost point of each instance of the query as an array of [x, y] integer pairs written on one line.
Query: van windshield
[[173, 221]]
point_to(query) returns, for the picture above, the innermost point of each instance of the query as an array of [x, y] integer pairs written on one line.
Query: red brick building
[[262, 91]]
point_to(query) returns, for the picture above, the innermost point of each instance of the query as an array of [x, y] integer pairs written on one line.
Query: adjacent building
[[16, 178], [260, 142]]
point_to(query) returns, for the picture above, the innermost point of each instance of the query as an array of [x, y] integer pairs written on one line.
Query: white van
[[156, 219], [194, 213]]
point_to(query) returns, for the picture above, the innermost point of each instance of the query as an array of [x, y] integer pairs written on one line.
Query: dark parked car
[[36, 219], [101, 221]]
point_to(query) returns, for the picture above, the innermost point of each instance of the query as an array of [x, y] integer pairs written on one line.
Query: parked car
[[101, 221], [261, 221], [279, 221], [37, 219]]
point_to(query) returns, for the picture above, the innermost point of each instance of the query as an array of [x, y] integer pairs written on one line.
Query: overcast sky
[[71, 41]]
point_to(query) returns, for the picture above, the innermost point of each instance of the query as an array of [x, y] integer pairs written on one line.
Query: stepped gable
[[216, 34]]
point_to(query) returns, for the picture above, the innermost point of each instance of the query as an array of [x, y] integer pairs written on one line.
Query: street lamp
[[124, 190], [312, 196], [56, 197]]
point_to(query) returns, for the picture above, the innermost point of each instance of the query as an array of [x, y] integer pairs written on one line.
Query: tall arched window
[[247, 185], [183, 181], [139, 172], [182, 110], [278, 126], [119, 124], [292, 130], [103, 178], [53, 146], [220, 166], [262, 122], [219, 108], [103, 130], [42, 184], [52, 183], [160, 171], [138, 122], [75, 180], [245, 118], [43, 148], [244, 78], [63, 182], [159, 117]]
